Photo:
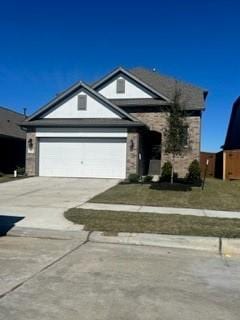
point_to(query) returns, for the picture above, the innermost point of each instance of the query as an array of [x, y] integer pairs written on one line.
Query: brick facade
[[157, 121], [132, 152], [31, 154]]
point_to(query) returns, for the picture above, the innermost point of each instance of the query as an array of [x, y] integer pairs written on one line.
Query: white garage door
[[82, 157]]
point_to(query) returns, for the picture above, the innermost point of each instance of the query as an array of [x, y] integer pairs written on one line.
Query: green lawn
[[8, 178], [217, 195], [113, 222]]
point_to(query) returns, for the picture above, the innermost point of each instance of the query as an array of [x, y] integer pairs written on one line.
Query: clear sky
[[48, 45]]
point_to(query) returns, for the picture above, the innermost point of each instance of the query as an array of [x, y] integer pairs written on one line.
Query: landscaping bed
[[8, 178], [217, 195], [114, 222]]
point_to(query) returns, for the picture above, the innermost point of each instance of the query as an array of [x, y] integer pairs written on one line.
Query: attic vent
[[82, 102], [120, 86]]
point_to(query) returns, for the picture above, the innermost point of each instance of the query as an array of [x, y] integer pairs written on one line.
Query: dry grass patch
[[217, 195], [114, 222]]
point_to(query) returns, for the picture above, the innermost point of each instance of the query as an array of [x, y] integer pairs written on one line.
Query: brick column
[[31, 153], [132, 152]]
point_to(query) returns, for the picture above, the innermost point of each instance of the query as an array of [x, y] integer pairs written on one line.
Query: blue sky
[[48, 45]]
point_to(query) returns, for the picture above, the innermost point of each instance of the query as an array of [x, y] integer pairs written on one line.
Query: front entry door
[[155, 160]]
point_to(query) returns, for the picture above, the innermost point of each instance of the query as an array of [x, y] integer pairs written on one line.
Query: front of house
[[112, 128]]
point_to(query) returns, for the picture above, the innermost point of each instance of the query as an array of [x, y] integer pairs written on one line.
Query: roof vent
[[25, 112]]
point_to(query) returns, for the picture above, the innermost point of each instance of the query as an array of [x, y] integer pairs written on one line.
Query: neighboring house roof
[[9, 120], [232, 140], [70, 91], [94, 122], [191, 96]]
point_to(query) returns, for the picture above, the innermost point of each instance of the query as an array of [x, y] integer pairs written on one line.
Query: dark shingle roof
[[139, 102], [9, 120], [232, 140], [192, 97], [87, 122]]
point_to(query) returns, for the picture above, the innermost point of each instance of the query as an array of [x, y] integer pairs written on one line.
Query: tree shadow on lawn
[[7, 223]]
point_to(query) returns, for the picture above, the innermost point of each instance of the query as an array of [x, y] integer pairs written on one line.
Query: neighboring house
[[111, 128], [231, 147], [12, 140]]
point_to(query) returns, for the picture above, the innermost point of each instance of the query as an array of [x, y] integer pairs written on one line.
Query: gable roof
[[72, 90], [232, 140], [131, 76], [192, 97], [9, 120]]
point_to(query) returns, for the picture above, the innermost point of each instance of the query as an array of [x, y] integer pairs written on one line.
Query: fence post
[[205, 173]]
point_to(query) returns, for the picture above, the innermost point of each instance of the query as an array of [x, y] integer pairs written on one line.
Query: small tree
[[176, 133]]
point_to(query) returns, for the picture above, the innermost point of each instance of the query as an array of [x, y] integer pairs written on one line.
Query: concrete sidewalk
[[161, 210]]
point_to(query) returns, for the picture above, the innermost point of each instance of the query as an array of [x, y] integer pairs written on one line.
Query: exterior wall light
[[30, 145], [131, 145]]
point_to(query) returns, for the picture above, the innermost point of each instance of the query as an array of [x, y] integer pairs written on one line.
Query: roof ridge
[[10, 110], [170, 77]]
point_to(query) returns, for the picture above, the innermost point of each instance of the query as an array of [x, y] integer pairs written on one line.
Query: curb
[[221, 246], [46, 233], [231, 246]]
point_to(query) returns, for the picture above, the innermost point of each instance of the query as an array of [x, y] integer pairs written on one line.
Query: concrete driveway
[[40, 202]]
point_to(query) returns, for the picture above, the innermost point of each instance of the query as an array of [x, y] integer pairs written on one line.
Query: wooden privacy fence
[[231, 168], [211, 157], [215, 164]]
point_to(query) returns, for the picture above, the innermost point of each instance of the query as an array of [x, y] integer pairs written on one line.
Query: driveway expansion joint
[[54, 262]]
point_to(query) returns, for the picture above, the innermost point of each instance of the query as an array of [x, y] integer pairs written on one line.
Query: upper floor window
[[82, 102], [120, 86]]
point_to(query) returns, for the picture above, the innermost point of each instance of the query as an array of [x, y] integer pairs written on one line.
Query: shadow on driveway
[[7, 223]]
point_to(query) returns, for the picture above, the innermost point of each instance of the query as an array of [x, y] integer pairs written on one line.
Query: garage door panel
[[98, 158]]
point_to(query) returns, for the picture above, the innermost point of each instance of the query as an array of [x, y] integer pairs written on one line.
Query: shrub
[[20, 171], [1, 174], [166, 171], [133, 178], [194, 172], [147, 179]]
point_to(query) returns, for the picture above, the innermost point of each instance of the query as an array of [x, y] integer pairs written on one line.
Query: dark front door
[[152, 152], [155, 159]]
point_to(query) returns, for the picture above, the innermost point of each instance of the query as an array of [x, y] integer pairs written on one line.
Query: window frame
[[120, 86], [83, 99]]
